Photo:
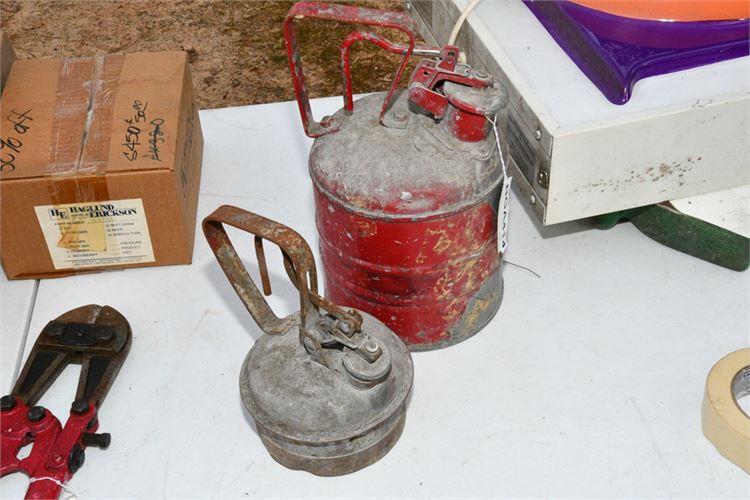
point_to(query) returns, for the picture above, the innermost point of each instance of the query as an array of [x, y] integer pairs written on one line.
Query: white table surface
[[16, 301], [588, 382], [729, 209]]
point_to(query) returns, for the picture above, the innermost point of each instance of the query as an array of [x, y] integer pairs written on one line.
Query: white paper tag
[[502, 215], [502, 223], [102, 233]]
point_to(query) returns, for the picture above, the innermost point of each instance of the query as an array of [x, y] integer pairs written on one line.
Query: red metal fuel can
[[407, 185]]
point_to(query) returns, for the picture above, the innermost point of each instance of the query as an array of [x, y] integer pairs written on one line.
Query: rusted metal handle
[[298, 258], [298, 262], [348, 14]]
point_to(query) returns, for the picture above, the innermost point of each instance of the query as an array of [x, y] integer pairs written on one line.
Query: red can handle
[[347, 14]]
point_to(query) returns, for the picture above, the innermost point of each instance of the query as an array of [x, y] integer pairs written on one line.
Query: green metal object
[[610, 220], [670, 227]]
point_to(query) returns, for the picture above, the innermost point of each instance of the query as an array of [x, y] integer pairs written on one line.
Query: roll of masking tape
[[724, 422]]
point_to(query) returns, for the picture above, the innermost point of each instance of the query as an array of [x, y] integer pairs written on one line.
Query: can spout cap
[[469, 109], [445, 88]]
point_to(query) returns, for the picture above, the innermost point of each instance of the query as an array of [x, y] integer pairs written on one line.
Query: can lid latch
[[431, 73]]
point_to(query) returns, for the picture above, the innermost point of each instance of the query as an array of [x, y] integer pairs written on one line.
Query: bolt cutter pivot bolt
[[36, 413], [79, 407], [7, 403], [76, 459]]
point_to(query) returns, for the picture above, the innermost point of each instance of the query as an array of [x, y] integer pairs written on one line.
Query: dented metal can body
[[407, 217]]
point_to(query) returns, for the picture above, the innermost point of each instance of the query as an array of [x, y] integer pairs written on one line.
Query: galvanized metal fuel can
[[407, 185], [326, 386]]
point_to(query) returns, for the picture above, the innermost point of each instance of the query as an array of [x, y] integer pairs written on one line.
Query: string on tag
[[502, 237], [71, 494]]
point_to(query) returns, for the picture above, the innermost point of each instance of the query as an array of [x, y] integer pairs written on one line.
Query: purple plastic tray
[[615, 52]]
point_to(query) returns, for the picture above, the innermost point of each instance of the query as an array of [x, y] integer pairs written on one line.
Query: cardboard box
[[101, 161], [7, 56]]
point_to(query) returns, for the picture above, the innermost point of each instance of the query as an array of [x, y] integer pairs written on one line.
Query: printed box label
[[102, 233]]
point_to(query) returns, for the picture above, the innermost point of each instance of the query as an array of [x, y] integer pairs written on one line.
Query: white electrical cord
[[460, 21]]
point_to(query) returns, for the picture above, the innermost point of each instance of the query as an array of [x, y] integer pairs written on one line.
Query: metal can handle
[[348, 14], [298, 262], [293, 247]]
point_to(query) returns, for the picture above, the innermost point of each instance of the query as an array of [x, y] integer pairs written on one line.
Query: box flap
[[89, 116]]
